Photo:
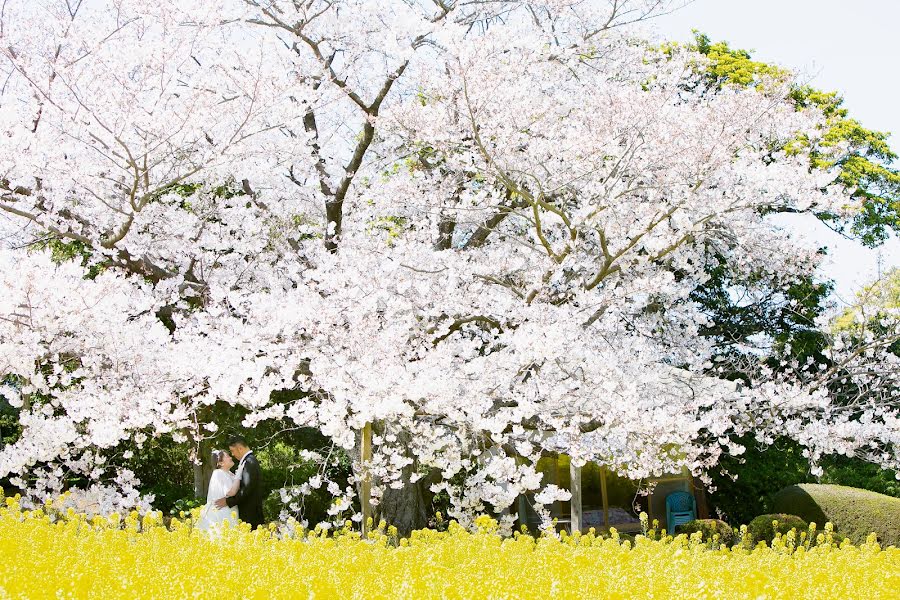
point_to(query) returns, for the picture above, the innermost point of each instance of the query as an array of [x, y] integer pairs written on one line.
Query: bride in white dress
[[222, 483]]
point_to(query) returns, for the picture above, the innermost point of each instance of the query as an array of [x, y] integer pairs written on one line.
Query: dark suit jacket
[[249, 497]]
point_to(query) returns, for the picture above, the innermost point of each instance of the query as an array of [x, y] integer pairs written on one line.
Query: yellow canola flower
[[48, 555]]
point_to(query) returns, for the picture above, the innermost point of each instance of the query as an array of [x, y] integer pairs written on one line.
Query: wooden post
[[522, 508], [523, 511], [605, 497], [575, 474], [365, 487], [699, 492]]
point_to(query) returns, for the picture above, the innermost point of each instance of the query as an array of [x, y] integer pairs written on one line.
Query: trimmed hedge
[[762, 472], [761, 529], [709, 528], [855, 513]]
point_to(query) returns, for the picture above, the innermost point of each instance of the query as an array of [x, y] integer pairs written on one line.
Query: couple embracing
[[233, 496]]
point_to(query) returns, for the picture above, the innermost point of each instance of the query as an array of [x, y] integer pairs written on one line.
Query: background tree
[[519, 204], [785, 318]]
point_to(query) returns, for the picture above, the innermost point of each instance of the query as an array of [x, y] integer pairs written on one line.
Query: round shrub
[[762, 530], [709, 528], [855, 513]]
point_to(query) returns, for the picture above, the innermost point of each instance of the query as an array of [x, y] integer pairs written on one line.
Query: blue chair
[[681, 508]]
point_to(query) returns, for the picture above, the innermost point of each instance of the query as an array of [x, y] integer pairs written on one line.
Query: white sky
[[844, 45]]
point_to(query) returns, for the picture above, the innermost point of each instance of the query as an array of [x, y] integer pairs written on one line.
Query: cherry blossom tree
[[476, 225]]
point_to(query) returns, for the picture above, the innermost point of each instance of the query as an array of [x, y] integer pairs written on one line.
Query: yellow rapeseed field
[[46, 555]]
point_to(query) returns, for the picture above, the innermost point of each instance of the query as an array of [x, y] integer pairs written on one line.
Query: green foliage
[[863, 161], [709, 528], [861, 156], [392, 226], [313, 229], [65, 251], [284, 468], [852, 472], [742, 307], [164, 468], [855, 513], [185, 505], [760, 474], [10, 430], [874, 309], [746, 308], [729, 66], [61, 251], [226, 190], [272, 507], [763, 471], [764, 527]]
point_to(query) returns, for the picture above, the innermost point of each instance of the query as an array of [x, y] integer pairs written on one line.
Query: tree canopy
[[493, 229]]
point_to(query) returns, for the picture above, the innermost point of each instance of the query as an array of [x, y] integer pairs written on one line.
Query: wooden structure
[[601, 499], [575, 489], [365, 486], [561, 471]]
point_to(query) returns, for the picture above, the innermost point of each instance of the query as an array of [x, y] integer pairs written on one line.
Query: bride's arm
[[234, 487], [217, 487], [237, 482]]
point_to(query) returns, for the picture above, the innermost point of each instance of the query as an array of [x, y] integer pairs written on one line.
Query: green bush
[[709, 528], [855, 513], [164, 468], [284, 467], [852, 472], [272, 506], [762, 471], [762, 530], [10, 430], [314, 506], [759, 473]]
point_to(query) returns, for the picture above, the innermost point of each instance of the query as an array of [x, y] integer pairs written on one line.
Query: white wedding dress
[[212, 518]]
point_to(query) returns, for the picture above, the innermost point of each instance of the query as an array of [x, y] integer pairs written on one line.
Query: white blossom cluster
[[517, 201]]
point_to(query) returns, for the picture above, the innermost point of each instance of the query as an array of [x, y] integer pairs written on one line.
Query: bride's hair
[[217, 456]]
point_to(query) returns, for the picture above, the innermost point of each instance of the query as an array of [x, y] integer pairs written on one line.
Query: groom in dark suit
[[249, 497]]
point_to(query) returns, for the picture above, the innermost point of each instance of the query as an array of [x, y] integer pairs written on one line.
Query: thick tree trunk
[[405, 508], [446, 226]]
